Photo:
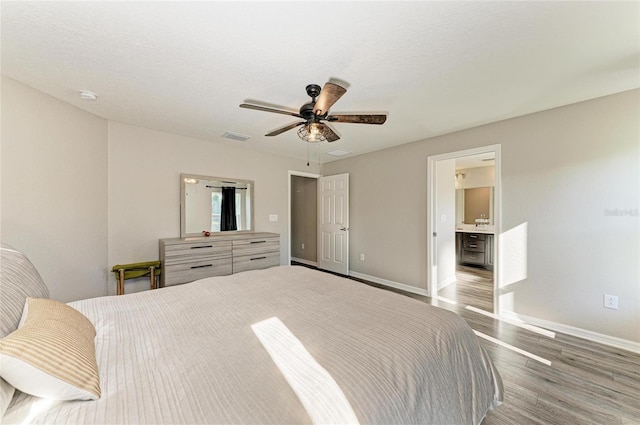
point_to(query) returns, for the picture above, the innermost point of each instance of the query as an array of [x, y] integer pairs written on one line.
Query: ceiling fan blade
[[358, 119], [329, 94], [265, 109], [285, 128], [331, 135]]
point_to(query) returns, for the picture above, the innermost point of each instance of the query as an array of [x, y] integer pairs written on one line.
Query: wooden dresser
[[188, 259]]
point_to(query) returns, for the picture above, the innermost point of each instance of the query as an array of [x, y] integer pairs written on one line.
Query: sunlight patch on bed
[[318, 392], [512, 348]]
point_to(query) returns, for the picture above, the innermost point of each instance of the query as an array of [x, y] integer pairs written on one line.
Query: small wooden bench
[[136, 270]]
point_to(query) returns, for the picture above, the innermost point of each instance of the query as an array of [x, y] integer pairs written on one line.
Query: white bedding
[[188, 354]]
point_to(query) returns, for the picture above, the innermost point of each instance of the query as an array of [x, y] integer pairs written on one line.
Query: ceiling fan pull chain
[[308, 154]]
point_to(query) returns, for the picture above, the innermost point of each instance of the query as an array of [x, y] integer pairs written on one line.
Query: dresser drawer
[[473, 257], [256, 261], [188, 259], [473, 245], [473, 236], [256, 246], [194, 270], [188, 252]]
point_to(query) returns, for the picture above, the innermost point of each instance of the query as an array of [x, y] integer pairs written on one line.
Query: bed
[[286, 345]]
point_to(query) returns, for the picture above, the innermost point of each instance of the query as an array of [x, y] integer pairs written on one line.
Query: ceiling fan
[[315, 115]]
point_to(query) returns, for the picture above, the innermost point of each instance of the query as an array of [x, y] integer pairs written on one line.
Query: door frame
[[291, 174], [432, 287]]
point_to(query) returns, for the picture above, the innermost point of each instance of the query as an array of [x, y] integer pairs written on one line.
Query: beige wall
[[304, 218], [144, 195], [54, 190], [562, 170]]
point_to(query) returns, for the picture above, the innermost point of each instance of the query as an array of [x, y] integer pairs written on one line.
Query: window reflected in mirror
[[215, 204]]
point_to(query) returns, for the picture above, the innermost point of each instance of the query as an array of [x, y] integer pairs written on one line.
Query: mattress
[[283, 345]]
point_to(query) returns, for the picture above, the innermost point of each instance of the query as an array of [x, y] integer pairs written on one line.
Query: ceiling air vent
[[338, 152], [235, 136]]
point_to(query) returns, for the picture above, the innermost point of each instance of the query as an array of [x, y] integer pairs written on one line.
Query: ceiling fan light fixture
[[312, 133]]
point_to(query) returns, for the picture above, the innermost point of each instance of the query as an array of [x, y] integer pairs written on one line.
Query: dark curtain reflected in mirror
[[228, 209]]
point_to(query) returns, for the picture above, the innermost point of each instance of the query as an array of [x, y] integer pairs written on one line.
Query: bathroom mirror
[[474, 203], [205, 206]]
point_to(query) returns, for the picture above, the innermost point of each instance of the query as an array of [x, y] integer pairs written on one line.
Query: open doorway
[[464, 219], [319, 221], [303, 218]]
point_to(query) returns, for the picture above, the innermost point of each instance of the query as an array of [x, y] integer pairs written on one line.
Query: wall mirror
[[474, 203], [215, 204]]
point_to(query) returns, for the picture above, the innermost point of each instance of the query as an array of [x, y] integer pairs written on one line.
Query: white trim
[[446, 282], [392, 284], [432, 278], [611, 341], [301, 174], [304, 174], [446, 300], [303, 261]]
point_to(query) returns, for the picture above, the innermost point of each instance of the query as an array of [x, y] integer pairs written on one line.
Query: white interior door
[[333, 223]]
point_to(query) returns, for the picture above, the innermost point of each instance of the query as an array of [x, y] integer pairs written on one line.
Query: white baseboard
[[303, 261], [612, 341], [446, 282], [385, 282]]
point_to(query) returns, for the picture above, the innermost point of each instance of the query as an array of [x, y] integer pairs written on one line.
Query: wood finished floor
[[586, 383], [473, 286]]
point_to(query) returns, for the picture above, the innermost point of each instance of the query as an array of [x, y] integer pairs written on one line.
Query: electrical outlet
[[361, 257], [611, 301], [302, 246]]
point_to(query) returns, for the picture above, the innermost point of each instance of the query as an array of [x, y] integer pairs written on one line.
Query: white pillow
[[6, 394], [53, 354]]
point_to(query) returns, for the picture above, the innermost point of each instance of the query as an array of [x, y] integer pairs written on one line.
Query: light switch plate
[[273, 217]]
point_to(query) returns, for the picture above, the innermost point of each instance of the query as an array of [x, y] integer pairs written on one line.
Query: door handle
[[344, 229]]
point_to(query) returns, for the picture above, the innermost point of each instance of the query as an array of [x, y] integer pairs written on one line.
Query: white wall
[[445, 224], [144, 188], [476, 177], [562, 170], [54, 190]]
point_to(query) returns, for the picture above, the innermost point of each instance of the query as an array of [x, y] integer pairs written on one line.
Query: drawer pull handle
[[473, 236], [473, 246], [200, 267], [258, 258], [204, 246], [257, 242]]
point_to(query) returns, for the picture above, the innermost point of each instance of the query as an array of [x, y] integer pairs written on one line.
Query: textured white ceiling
[[434, 67]]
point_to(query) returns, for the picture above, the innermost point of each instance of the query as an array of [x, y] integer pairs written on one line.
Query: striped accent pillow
[[52, 355]]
